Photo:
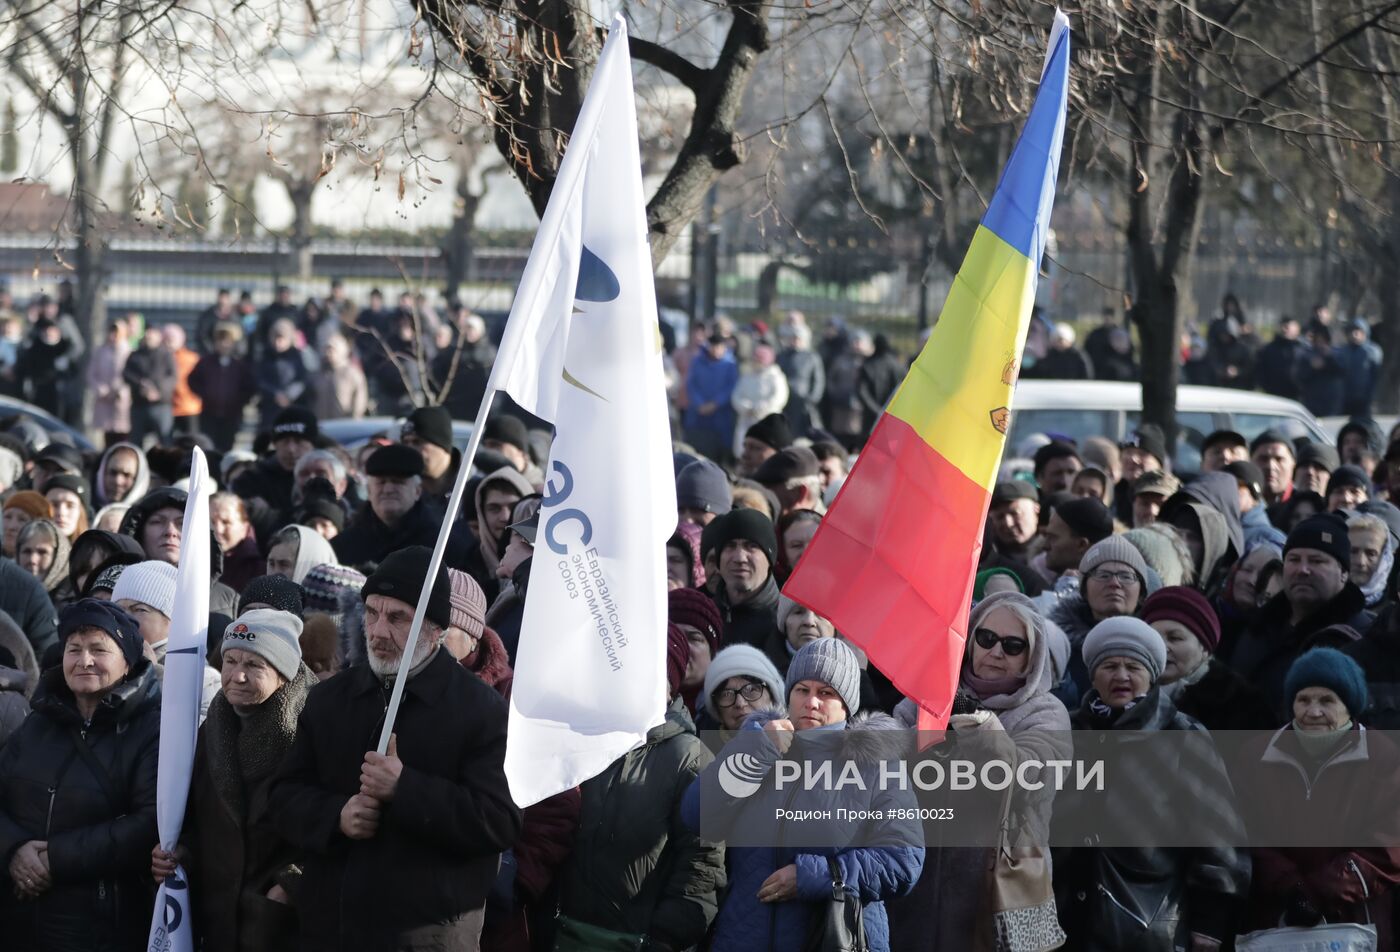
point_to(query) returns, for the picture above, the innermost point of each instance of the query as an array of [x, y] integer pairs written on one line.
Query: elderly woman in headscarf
[[42, 551], [241, 871], [1140, 898], [294, 551], [78, 792], [21, 509], [1007, 668], [1372, 556]]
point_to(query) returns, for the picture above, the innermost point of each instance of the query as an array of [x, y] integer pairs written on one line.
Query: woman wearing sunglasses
[[1145, 897], [1007, 668]]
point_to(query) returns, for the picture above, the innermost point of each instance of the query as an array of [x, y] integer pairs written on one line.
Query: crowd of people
[[1332, 367], [1112, 595]]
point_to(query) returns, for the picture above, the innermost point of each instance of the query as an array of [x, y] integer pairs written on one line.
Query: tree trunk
[[299, 261]]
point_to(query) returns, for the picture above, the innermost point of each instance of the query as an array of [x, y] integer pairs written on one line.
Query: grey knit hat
[[1114, 549], [1125, 637], [274, 635], [829, 661]]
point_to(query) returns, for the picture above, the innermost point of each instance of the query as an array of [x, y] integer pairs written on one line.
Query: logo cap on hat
[[295, 421]]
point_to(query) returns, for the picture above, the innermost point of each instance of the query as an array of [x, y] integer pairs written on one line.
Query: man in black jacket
[[150, 372], [401, 848], [397, 515], [746, 546], [1317, 594]]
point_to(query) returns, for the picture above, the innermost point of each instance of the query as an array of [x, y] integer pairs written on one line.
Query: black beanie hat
[[772, 430], [108, 616], [1053, 450], [295, 421], [318, 506], [1344, 476], [401, 576], [276, 590], [1325, 532], [74, 484], [747, 524], [503, 428], [1087, 518], [430, 424], [1149, 438], [1320, 455]]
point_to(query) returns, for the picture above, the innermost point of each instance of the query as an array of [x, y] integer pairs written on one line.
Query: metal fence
[[876, 287]]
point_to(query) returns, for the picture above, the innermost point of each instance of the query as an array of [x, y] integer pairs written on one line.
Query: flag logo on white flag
[[581, 350]]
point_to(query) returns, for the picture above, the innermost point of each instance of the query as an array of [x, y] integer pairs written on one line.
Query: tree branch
[[691, 76]]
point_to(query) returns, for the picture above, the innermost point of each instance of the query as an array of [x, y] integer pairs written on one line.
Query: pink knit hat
[[468, 603]]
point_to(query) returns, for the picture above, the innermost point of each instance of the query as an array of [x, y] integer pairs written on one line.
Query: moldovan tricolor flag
[[893, 563], [582, 350], [181, 691]]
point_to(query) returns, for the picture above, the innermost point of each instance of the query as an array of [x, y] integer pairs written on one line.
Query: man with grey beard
[[401, 849]]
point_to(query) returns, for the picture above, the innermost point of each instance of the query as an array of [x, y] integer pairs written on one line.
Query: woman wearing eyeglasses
[[1123, 890], [1007, 668], [740, 681], [1112, 582]]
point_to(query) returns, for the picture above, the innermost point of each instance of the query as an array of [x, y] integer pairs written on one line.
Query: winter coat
[[948, 905], [468, 381], [1258, 529], [224, 384], [759, 392], [281, 375], [636, 868], [1322, 383], [367, 539], [1361, 367], [44, 368], [1349, 799], [111, 394], [753, 622], [235, 854], [1271, 644], [433, 859], [268, 481], [1378, 653], [153, 366], [546, 837], [242, 564], [1068, 364], [1223, 701], [99, 828], [842, 404], [886, 869], [1073, 616], [23, 598], [340, 392], [183, 400], [17, 683], [806, 379], [1147, 898], [1214, 498], [1276, 366], [880, 376], [711, 381]]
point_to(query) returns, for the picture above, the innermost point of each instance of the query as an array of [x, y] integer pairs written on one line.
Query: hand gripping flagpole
[[454, 503]]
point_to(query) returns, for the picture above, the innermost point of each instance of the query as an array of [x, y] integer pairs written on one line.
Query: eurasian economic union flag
[[582, 349], [181, 690], [893, 563]]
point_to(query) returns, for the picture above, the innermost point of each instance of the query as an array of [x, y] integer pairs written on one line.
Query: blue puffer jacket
[[873, 873]]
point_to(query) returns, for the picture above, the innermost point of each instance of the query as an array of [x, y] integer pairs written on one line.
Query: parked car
[[12, 410], [1084, 408], [352, 433]]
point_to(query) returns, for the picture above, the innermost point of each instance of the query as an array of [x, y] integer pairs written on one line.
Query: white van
[[1084, 408]]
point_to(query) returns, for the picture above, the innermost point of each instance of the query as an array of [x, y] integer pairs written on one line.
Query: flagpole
[[454, 502]]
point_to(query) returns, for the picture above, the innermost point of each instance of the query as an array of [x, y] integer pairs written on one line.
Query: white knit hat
[[152, 583]]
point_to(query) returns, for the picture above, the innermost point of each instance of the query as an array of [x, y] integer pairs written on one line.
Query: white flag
[[582, 350], [181, 689]]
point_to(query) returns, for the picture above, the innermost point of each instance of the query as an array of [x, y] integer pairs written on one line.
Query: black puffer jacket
[[1378, 653], [1115, 898], [100, 830], [434, 857]]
